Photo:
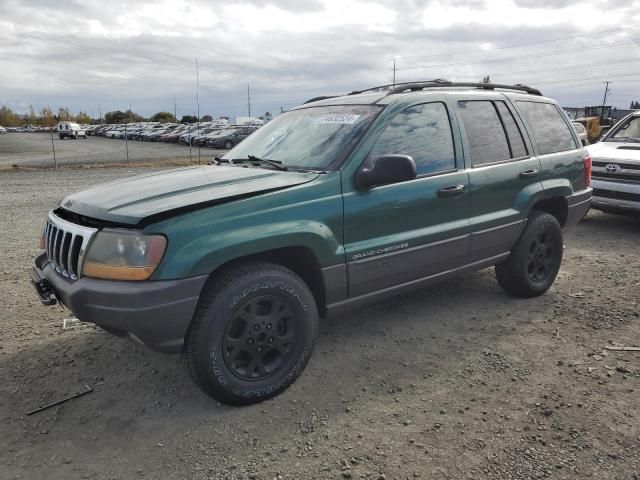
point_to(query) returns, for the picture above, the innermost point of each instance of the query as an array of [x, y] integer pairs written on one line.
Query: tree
[[163, 117], [188, 119], [486, 79], [635, 105], [82, 117], [63, 114], [32, 119], [122, 117], [207, 118], [47, 118], [8, 118]]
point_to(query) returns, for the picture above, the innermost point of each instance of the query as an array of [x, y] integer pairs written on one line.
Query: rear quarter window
[[550, 131]]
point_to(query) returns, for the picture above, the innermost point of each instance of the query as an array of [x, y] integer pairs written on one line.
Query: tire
[[61, 137], [252, 333], [228, 145], [535, 260]]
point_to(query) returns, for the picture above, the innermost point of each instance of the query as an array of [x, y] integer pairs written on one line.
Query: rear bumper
[[578, 206], [615, 196], [156, 313]]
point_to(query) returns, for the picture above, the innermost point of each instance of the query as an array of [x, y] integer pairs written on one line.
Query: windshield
[[626, 130], [315, 138]]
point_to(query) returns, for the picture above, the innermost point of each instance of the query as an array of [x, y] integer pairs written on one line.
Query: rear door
[[560, 151], [503, 174], [406, 231]]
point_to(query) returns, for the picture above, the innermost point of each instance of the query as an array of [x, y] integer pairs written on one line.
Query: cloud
[[87, 53]]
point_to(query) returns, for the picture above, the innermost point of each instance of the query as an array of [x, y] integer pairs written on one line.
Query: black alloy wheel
[[259, 338], [252, 333], [540, 261], [535, 259]]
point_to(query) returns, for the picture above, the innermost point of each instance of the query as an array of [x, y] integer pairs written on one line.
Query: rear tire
[[228, 145], [535, 260], [252, 333]]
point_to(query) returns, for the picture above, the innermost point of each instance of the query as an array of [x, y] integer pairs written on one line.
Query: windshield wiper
[[253, 159]]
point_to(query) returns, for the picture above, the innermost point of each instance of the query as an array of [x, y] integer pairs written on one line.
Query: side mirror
[[386, 169]]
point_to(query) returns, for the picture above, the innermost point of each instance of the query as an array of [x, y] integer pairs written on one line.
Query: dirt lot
[[458, 381], [35, 149]]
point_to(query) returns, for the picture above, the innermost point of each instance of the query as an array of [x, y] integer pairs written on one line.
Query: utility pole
[[175, 110], [394, 72], [249, 99], [198, 103], [606, 92], [100, 112]]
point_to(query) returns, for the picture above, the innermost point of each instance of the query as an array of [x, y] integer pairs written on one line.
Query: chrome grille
[[66, 244]]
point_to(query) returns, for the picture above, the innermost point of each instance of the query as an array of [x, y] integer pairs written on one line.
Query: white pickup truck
[[70, 130], [616, 168]]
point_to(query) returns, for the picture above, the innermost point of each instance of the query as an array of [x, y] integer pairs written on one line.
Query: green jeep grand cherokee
[[337, 203]]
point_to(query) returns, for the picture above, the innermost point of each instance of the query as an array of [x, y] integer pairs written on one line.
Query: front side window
[[313, 138], [549, 128], [422, 132], [627, 131]]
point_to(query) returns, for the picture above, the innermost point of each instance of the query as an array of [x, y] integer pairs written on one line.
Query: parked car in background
[[2, 130], [70, 130], [231, 137], [582, 133], [616, 168]]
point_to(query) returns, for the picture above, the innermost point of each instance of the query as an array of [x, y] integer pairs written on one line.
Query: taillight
[[587, 171]]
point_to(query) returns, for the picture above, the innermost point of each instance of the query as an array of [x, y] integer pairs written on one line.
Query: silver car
[[616, 168]]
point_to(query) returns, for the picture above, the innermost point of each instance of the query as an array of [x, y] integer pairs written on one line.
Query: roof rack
[[436, 83], [415, 86], [394, 85], [317, 99]]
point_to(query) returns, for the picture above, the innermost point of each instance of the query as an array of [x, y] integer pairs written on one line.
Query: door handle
[[451, 191], [529, 173]]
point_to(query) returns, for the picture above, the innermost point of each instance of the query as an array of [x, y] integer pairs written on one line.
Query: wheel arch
[[556, 206], [299, 259]]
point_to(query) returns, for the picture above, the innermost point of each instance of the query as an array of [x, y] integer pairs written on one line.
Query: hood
[[615, 151], [131, 200]]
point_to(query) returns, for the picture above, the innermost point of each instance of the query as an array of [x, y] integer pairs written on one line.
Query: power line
[[519, 57], [522, 44]]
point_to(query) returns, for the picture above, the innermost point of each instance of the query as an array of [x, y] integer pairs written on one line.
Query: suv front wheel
[[252, 333], [535, 260]]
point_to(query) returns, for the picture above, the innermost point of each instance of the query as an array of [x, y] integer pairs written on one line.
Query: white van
[[71, 130]]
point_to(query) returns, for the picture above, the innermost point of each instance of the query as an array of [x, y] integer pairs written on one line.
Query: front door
[[406, 231]]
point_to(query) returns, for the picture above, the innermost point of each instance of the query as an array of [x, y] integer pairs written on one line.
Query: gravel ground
[[456, 381], [35, 150]]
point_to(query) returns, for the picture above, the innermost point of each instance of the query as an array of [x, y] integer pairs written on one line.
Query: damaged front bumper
[[156, 313]]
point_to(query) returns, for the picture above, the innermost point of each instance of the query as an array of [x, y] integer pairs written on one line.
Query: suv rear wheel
[[252, 334], [535, 260]]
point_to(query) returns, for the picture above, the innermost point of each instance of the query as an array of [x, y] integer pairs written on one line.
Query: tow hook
[[45, 290]]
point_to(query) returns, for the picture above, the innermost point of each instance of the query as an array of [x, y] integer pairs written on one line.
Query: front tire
[[252, 333], [228, 145], [535, 260]]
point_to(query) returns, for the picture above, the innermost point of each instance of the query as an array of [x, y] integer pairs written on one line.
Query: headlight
[[123, 255]]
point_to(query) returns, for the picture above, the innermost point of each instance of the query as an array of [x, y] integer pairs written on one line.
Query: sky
[[95, 55]]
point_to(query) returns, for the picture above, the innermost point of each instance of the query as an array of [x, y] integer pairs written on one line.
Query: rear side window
[[485, 133], [424, 133], [514, 135], [549, 129]]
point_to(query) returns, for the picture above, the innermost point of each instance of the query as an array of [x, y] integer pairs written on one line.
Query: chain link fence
[[46, 150]]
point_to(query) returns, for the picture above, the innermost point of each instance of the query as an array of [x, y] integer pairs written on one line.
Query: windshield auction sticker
[[341, 118]]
